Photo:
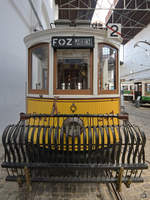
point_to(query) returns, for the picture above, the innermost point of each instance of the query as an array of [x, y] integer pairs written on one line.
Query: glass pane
[[39, 68], [107, 71], [147, 89], [73, 69]]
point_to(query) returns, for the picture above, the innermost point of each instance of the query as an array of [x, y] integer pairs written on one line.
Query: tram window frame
[[100, 75], [147, 89], [88, 91], [30, 89]]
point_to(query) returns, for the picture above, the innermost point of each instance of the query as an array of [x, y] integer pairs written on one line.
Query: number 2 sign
[[114, 30]]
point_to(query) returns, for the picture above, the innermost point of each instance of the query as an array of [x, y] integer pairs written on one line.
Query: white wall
[[16, 21], [137, 59]]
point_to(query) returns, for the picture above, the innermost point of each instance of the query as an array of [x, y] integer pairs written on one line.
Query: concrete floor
[[140, 117]]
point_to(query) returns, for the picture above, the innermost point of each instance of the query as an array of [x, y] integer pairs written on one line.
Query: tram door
[[138, 90]]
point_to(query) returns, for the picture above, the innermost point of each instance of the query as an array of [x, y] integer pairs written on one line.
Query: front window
[[38, 69], [73, 71], [107, 69]]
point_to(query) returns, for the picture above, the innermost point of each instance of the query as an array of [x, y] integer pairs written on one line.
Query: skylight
[[101, 11]]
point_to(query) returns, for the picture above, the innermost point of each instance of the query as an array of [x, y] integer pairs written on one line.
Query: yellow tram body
[[92, 106], [89, 106]]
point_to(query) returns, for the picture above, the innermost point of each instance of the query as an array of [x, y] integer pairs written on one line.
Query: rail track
[[112, 187], [117, 194], [115, 190]]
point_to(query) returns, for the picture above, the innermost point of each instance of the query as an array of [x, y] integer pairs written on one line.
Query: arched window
[[38, 69], [107, 69]]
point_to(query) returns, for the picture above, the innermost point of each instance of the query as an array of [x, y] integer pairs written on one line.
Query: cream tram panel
[[100, 36]]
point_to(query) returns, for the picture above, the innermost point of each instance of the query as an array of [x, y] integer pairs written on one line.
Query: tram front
[[73, 130]]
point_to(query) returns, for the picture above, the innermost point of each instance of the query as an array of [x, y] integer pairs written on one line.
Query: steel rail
[[147, 161], [117, 194], [113, 186]]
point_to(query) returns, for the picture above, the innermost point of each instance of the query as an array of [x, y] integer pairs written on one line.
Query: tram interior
[[73, 69]]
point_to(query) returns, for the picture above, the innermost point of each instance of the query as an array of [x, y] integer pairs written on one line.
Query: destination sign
[[72, 42]]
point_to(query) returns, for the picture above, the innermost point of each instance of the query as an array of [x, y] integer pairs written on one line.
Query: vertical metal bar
[[101, 128], [131, 148], [50, 149], [120, 143], [19, 181], [79, 147], [113, 155], [126, 140], [32, 146], [21, 141], [119, 181], [10, 143], [89, 141], [135, 4], [73, 157], [147, 4], [15, 141], [44, 148], [28, 178], [5, 136], [84, 144], [124, 4], [137, 144], [53, 142], [38, 142]]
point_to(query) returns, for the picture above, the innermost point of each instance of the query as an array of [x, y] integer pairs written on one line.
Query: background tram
[[128, 89], [142, 92], [73, 128]]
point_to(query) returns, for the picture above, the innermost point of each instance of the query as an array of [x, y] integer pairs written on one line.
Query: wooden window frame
[[74, 91], [100, 90], [30, 90]]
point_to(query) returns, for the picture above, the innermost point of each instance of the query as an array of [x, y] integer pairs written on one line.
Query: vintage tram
[[142, 92], [128, 89], [73, 130]]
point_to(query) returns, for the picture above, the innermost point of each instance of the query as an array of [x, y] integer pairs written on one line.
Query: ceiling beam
[[67, 3], [129, 18], [121, 9]]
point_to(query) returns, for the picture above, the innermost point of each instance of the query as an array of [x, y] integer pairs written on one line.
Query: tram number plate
[[114, 30]]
